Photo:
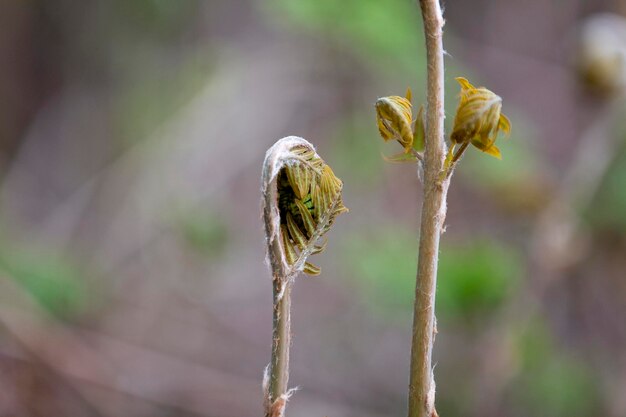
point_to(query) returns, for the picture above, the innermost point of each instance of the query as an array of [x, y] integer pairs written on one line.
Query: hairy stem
[[278, 391], [281, 341], [276, 383], [422, 384]]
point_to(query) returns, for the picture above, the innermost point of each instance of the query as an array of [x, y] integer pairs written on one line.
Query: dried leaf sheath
[[301, 198]]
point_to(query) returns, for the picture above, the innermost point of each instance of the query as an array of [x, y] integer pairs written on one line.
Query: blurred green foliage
[[148, 51], [387, 34], [163, 18], [53, 281], [518, 159], [553, 383], [383, 265], [609, 207], [475, 277], [152, 97], [206, 232], [357, 153]]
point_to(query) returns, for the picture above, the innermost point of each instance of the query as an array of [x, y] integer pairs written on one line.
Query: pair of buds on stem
[[478, 120]]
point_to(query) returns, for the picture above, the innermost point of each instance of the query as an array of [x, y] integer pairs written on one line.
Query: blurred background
[[132, 270]]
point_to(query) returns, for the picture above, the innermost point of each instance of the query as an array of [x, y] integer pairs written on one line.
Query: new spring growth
[[394, 117], [477, 121], [301, 199], [308, 199]]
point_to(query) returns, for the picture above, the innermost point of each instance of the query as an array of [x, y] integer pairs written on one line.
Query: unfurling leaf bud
[[394, 117], [478, 120], [302, 198]]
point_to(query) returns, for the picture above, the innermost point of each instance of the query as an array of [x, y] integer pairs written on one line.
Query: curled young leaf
[[290, 251], [295, 233], [394, 118], [311, 269], [320, 248], [302, 198], [418, 131], [478, 120], [307, 218], [401, 158], [395, 122]]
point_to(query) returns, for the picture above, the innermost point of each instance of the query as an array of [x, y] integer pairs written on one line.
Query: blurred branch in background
[[558, 243]]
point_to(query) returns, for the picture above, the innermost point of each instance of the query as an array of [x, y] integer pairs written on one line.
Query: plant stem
[[276, 391], [281, 341], [422, 384], [282, 277], [458, 153]]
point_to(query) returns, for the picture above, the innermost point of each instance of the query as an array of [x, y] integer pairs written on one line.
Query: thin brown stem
[[422, 384], [459, 153], [417, 155], [276, 379], [281, 341]]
